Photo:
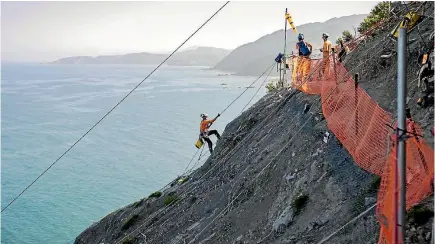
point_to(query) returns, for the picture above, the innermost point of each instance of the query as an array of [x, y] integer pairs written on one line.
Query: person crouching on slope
[[205, 133], [305, 50]]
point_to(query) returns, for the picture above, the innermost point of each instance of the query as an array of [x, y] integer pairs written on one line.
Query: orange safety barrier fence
[[362, 126]]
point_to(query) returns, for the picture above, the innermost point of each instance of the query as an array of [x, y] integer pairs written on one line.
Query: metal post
[[285, 47], [401, 127]]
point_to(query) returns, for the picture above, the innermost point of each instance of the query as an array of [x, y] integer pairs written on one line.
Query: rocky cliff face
[[278, 175]]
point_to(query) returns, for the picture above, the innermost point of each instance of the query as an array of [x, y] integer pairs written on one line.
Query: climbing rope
[[192, 159], [348, 223], [273, 64], [128, 94], [259, 87], [186, 172]]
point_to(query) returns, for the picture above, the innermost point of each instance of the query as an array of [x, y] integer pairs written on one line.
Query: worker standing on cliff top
[[205, 133], [326, 50], [304, 48]]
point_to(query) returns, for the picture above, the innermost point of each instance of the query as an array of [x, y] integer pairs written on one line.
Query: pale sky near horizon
[[45, 31]]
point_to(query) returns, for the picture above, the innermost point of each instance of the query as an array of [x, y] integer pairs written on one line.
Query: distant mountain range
[[249, 59], [253, 58], [195, 56]]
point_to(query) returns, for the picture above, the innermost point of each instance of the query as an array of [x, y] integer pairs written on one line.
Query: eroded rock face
[[245, 192], [284, 220]]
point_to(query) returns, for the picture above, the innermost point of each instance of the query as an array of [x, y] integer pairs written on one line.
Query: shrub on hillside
[[347, 36], [127, 224], [299, 203], [270, 86], [377, 14], [156, 194], [171, 199]]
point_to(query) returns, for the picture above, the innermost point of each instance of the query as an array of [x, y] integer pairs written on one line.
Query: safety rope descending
[[270, 67], [116, 105], [188, 190], [259, 87]]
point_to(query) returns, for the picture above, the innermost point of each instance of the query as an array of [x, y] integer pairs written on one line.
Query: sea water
[[142, 145]]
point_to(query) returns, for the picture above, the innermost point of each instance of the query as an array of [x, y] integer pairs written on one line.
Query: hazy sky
[[44, 31]]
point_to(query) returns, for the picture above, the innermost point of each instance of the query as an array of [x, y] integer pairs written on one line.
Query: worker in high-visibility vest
[[326, 51], [305, 49]]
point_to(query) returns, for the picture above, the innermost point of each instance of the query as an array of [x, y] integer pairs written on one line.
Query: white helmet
[[204, 115], [325, 35]]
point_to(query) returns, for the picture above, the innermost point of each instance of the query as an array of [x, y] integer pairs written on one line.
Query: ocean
[[142, 145]]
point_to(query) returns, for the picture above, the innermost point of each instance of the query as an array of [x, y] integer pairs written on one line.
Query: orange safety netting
[[361, 125]]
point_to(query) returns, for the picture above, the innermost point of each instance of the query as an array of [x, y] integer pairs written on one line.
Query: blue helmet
[[300, 36]]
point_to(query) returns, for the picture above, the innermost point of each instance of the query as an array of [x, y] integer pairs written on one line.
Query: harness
[[303, 48]]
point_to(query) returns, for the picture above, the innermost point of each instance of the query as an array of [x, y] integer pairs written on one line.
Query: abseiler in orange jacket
[[204, 132]]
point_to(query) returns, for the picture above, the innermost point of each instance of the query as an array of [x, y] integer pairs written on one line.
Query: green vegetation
[[182, 180], [270, 86], [156, 194], [171, 199], [127, 224], [377, 14], [374, 185], [347, 36], [129, 240], [420, 214], [299, 203]]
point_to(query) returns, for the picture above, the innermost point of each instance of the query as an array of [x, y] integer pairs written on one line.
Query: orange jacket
[[203, 125]]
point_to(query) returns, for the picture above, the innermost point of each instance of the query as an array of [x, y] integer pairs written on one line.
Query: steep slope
[[271, 158], [323, 171], [251, 58], [198, 56]]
